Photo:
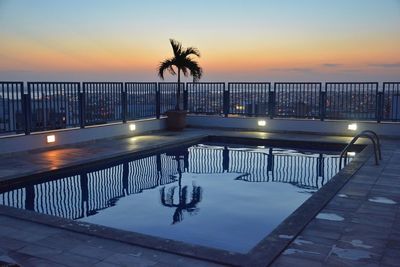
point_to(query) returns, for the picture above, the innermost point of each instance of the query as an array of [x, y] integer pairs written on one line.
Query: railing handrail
[[365, 133]]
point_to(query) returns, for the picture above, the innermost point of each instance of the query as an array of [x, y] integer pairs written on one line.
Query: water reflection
[[86, 192], [183, 204]]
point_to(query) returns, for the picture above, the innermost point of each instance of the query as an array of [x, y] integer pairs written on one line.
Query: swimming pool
[[219, 195]]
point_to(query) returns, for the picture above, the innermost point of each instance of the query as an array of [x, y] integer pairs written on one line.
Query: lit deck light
[[352, 127], [132, 127], [262, 123], [351, 154], [50, 138]]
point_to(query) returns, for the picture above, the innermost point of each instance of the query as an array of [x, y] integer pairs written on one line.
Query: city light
[[132, 127], [352, 127], [50, 138], [262, 123], [239, 107]]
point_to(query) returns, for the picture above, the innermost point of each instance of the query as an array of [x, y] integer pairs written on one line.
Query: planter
[[176, 120]]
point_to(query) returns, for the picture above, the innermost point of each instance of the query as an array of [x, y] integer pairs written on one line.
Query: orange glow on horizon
[[125, 55]]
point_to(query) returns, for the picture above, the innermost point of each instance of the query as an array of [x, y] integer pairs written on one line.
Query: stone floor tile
[[9, 243], [177, 261], [29, 260], [129, 260], [39, 251], [391, 257], [309, 232], [298, 262], [105, 264], [72, 260], [91, 252], [334, 261]]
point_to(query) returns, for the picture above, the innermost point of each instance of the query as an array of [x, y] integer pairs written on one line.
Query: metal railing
[[352, 101], [297, 100], [102, 102], [167, 95], [250, 99], [12, 117], [40, 106], [204, 98], [140, 100], [53, 105], [390, 102]]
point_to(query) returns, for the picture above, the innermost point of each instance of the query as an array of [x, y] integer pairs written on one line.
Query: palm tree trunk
[[178, 92]]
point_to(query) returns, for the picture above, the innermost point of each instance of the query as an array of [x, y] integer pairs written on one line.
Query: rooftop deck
[[359, 225]]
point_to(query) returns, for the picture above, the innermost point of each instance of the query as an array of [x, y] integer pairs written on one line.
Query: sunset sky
[[240, 40]]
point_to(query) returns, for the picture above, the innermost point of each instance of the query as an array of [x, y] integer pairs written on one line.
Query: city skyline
[[239, 40]]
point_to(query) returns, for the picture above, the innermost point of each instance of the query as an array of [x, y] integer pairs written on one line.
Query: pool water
[[217, 195]]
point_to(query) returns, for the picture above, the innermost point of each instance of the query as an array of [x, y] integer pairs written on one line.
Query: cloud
[[292, 69], [352, 70], [331, 65], [386, 65]]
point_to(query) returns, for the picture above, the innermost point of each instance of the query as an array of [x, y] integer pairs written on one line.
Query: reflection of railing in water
[[206, 159], [263, 166], [84, 194], [15, 198], [104, 187]]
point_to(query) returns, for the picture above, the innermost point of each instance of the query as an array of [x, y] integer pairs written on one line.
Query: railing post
[[379, 106], [158, 101], [271, 103], [26, 111], [186, 96], [124, 104], [322, 105], [226, 102], [81, 100]]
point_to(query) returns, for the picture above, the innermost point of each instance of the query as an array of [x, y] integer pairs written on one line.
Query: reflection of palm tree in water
[[167, 200]]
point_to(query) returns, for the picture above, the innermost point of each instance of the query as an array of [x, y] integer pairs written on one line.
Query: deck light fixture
[[351, 154], [132, 127], [352, 127], [50, 138], [262, 123]]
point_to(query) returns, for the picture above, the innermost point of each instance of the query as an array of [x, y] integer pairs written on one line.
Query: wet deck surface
[[359, 226]]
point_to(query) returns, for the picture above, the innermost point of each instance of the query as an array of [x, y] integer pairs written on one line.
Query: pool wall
[[18, 143], [21, 142], [294, 125]]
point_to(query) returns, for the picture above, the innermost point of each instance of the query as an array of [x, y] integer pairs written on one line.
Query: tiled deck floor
[[361, 225]]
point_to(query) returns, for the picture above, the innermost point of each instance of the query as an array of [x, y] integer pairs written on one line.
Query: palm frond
[[191, 51], [166, 65], [176, 47], [195, 70], [184, 71]]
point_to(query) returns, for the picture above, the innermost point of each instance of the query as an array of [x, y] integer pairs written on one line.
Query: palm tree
[[182, 62]]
